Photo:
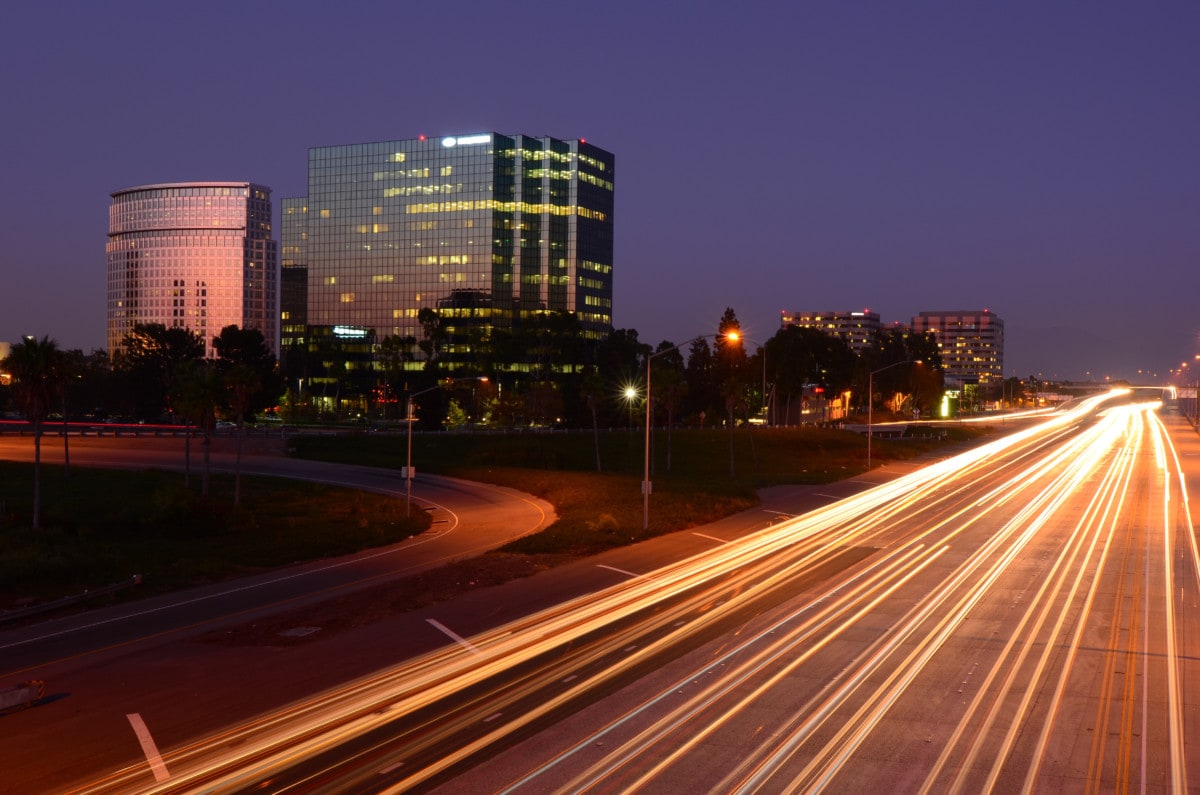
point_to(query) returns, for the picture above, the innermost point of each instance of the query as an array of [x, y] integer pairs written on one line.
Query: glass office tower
[[193, 255], [483, 229]]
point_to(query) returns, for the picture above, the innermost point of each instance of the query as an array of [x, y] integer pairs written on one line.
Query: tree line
[[159, 371], [542, 374]]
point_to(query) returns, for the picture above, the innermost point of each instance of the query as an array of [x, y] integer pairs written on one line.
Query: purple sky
[[1038, 159]]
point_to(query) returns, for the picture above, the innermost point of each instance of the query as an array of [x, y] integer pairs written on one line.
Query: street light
[[871, 400], [646, 471], [408, 470], [736, 336], [630, 394]]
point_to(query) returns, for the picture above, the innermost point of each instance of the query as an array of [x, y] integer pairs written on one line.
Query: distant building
[[483, 230], [857, 329], [971, 344], [193, 255]]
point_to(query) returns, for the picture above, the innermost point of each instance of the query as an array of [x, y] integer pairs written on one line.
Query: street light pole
[[871, 401], [408, 469]]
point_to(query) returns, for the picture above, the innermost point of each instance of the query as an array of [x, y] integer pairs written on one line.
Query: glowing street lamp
[[408, 470]]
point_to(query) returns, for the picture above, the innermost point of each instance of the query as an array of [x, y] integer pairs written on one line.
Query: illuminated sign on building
[[464, 140]]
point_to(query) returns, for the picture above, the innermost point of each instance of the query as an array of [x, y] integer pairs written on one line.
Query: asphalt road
[[103, 665], [1027, 625], [1025, 621]]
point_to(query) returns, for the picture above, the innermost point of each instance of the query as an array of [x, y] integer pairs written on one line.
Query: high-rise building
[[484, 230], [192, 255], [856, 329], [971, 344]]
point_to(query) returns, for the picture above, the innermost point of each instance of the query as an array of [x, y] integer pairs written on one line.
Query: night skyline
[[1036, 160]]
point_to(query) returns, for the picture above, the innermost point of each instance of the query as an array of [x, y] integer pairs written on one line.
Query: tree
[[35, 367], [248, 348], [667, 378], [241, 383], [197, 392], [731, 368], [146, 364]]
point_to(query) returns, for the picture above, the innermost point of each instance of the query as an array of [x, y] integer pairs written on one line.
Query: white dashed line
[[459, 639], [148, 747], [618, 571]]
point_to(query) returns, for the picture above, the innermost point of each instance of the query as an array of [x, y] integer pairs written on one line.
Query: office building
[[484, 230], [971, 344], [856, 329], [192, 255]]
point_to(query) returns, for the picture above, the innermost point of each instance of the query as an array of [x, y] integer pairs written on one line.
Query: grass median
[[102, 526]]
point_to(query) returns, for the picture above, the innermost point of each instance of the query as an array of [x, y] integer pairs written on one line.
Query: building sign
[[464, 140]]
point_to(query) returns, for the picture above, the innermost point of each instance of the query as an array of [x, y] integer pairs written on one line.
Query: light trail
[[922, 558]]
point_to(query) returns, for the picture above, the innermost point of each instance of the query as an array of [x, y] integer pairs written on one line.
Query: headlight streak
[[828, 760], [648, 742], [1102, 510], [261, 747], [1174, 705], [878, 587], [645, 741]]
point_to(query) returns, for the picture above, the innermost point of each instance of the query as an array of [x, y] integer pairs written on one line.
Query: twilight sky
[[1038, 159]]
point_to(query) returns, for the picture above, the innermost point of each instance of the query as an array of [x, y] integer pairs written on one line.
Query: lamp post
[[735, 336], [408, 469], [871, 400], [646, 460]]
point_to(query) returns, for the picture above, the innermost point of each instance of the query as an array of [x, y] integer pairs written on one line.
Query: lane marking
[[619, 571], [711, 538], [390, 768], [454, 636], [148, 747]]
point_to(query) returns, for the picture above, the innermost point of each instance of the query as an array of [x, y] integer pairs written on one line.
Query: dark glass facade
[[483, 229]]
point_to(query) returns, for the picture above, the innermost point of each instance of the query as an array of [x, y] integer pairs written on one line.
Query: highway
[[1026, 623], [1020, 617]]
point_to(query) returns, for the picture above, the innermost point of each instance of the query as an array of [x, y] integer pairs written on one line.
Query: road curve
[[468, 519]]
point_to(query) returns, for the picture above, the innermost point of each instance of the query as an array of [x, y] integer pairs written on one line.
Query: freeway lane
[[1038, 634], [903, 638]]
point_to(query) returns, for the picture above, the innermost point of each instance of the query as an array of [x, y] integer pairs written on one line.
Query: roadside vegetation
[[102, 526], [600, 510]]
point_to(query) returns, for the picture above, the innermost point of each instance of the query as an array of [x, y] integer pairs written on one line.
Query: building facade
[[192, 255], [971, 344], [856, 329], [483, 230]]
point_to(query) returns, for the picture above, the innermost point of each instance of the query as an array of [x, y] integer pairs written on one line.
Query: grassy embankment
[[600, 510], [102, 526]]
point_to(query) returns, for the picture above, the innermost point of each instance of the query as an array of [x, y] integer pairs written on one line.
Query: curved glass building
[[193, 255]]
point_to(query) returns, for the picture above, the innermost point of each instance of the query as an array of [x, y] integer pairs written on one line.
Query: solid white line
[[148, 747], [711, 538], [618, 571], [459, 639]]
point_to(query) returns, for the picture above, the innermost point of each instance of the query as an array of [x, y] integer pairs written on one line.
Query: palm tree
[[37, 380]]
